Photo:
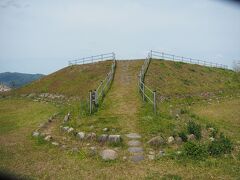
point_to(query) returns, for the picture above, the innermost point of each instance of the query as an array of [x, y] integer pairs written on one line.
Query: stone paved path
[[135, 149]]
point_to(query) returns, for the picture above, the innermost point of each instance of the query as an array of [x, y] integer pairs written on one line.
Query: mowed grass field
[[27, 157]]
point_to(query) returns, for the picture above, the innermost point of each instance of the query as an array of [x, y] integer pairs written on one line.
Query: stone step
[[133, 136], [135, 149], [134, 143]]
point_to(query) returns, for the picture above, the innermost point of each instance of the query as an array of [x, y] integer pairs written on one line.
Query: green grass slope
[[176, 79], [74, 80]]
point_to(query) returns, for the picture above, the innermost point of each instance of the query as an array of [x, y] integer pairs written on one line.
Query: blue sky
[[41, 36]]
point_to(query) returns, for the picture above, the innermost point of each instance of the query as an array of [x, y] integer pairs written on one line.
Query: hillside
[[74, 80], [31, 131], [176, 79], [16, 80]]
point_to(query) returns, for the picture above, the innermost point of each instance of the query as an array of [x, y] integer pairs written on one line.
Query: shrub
[[183, 136], [213, 132], [183, 111], [194, 128], [195, 151], [220, 146]]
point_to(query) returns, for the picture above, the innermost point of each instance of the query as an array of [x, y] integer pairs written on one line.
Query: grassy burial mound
[[74, 80], [177, 79], [198, 114]]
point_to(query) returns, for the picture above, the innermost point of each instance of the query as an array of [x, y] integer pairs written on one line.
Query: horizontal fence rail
[[166, 56], [92, 59], [146, 93], [97, 95]]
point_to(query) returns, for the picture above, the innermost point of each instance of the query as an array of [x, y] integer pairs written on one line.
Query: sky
[[42, 36]]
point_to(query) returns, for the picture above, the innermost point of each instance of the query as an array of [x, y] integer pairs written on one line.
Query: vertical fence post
[[92, 59], [154, 101], [96, 97], [90, 101], [143, 91], [162, 55]]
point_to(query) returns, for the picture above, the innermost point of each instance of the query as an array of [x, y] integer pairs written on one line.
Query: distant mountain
[[16, 80]]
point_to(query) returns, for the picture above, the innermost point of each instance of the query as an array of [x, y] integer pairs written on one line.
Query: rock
[[31, 95], [191, 137], [134, 143], [137, 158], [124, 158], [211, 129], [151, 157], [212, 139], [65, 128], [151, 152], [63, 147], [70, 130], [108, 154], [161, 153], [92, 151], [179, 152], [55, 143], [133, 136], [178, 140], [81, 135], [177, 116], [50, 119], [35, 134], [156, 141], [75, 150], [170, 140], [66, 118], [43, 125], [91, 136], [103, 138], [105, 129], [48, 138], [114, 138], [135, 149]]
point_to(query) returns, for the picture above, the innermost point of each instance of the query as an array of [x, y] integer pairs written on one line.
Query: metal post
[[143, 91], [96, 97], [151, 54], [90, 101], [101, 88], [114, 58], [154, 101], [162, 55]]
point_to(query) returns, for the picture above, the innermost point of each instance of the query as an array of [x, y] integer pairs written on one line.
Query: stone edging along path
[[136, 153]]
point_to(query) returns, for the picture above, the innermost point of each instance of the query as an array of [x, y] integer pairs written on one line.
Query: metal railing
[[146, 93], [96, 96], [166, 56], [92, 59]]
